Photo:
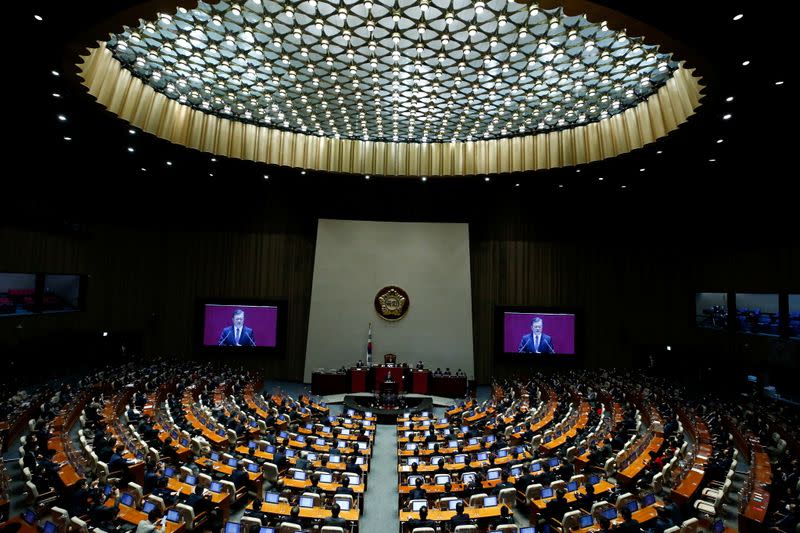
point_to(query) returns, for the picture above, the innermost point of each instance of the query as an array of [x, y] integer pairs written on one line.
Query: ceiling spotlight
[[266, 176], [132, 132], [623, 186], [641, 170], [719, 141], [729, 99], [600, 179], [67, 138], [56, 95], [54, 73], [302, 172], [130, 149], [516, 185], [211, 174], [779, 82], [366, 177], [659, 151], [424, 178], [213, 159], [726, 117], [738, 17], [560, 186], [486, 178], [105, 334], [578, 171], [745, 62], [38, 17], [169, 163], [62, 118], [143, 169], [712, 160]]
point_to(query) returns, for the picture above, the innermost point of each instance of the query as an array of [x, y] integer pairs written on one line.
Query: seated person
[[556, 508], [345, 487], [239, 477], [294, 517], [460, 519], [150, 524], [422, 521], [437, 372], [418, 493], [334, 519], [628, 525], [504, 484], [505, 517], [198, 501]]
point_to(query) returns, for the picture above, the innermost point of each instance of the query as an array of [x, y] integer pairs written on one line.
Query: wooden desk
[[642, 515], [284, 509], [642, 460], [475, 513], [327, 487], [599, 488], [134, 516]]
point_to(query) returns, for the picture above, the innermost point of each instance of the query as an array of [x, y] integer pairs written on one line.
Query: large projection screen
[[355, 259]]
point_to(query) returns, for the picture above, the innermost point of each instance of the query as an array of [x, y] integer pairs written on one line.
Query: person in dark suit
[[460, 519], [422, 521], [536, 341], [418, 493], [558, 507], [334, 519], [198, 502], [628, 525], [238, 334], [345, 487], [504, 484], [239, 477], [663, 522]]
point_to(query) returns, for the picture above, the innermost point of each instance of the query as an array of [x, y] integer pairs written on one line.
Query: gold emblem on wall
[[391, 303]]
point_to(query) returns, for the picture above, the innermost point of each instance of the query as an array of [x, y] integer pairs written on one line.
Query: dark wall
[[632, 267]]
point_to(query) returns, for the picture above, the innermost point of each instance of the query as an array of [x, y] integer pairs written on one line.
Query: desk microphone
[[252, 342], [224, 338], [550, 345]]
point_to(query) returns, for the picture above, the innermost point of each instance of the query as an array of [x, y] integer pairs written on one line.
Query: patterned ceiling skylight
[[405, 71]]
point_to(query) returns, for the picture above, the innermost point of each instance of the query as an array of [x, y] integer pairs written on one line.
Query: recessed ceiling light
[[720, 141], [130, 148], [560, 186], [641, 170], [62, 118], [144, 169], [486, 178], [779, 82], [659, 151], [57, 95], [424, 178], [516, 185], [712, 160], [67, 138], [577, 170], [105, 334], [303, 172], [169, 163], [132, 132], [266, 176], [726, 117], [366, 177], [54, 73], [600, 179], [213, 159], [745, 62], [729, 99], [738, 17], [38, 17], [623, 186]]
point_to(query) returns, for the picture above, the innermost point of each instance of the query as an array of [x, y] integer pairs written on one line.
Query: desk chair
[[43, 499], [286, 527], [79, 525], [466, 528], [423, 530], [673, 529], [508, 496], [658, 483], [623, 499], [158, 501], [569, 521], [338, 497], [533, 491], [444, 503], [476, 500], [331, 529], [314, 496], [249, 523], [60, 518], [508, 528], [690, 526]]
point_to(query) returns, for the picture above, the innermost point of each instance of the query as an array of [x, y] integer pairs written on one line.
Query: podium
[[419, 381], [382, 371], [358, 379]]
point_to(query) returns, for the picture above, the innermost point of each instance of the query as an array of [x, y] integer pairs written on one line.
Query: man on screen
[[238, 334], [536, 341]]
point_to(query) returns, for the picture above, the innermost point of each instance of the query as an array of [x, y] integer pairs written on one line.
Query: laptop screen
[[272, 497], [214, 456], [335, 458], [594, 480], [611, 514], [482, 456], [416, 505], [452, 504], [290, 453], [527, 530], [299, 474], [632, 506], [344, 505], [468, 477], [126, 499], [441, 479], [232, 527], [649, 499], [216, 486], [535, 467], [502, 453], [490, 501], [452, 444], [29, 516], [326, 478], [306, 501], [147, 507], [252, 467], [553, 461], [232, 463], [190, 480], [547, 492], [572, 486], [169, 472], [49, 527], [516, 471], [461, 459], [173, 516], [719, 526], [585, 520], [267, 530], [359, 460], [493, 474]]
